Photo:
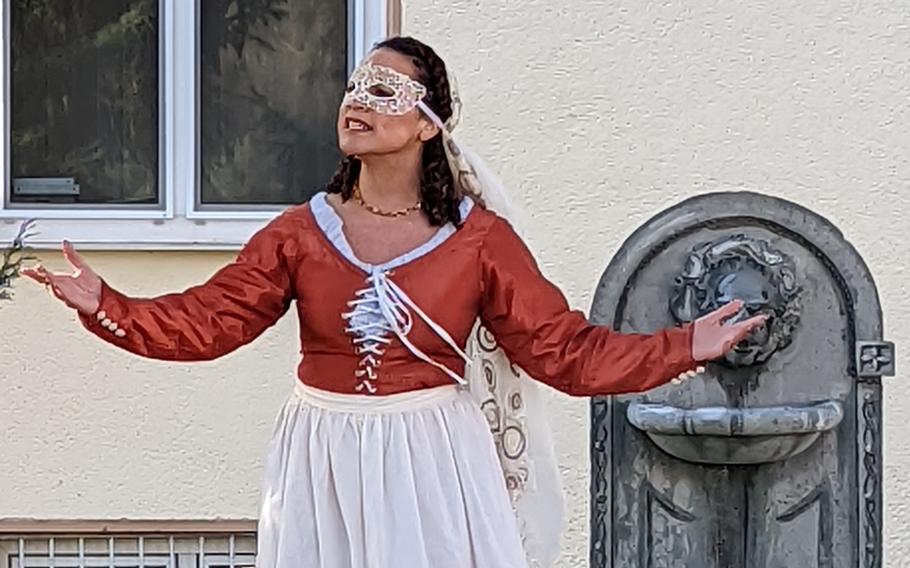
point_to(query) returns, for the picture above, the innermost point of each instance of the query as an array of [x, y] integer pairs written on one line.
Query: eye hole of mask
[[382, 91]]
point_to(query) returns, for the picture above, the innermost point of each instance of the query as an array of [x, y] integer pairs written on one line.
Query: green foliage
[[13, 258]]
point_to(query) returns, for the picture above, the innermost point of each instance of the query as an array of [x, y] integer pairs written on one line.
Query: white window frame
[[176, 223]]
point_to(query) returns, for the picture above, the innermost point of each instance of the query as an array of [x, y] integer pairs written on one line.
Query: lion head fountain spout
[[747, 269]]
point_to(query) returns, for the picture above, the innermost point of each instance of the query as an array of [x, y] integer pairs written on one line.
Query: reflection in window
[[272, 76], [84, 101]]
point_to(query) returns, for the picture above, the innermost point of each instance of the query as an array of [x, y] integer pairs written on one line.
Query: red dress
[[481, 269]]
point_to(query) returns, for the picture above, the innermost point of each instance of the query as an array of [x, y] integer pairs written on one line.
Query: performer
[[383, 456]]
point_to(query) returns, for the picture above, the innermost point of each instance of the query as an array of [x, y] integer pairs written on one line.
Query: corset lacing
[[379, 311]]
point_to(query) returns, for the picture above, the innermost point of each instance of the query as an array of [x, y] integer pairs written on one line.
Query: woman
[[381, 458]]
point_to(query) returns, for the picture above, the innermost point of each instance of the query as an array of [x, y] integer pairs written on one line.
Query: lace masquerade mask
[[383, 90]]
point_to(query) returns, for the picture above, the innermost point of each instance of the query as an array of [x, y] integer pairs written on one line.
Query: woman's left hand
[[713, 337]]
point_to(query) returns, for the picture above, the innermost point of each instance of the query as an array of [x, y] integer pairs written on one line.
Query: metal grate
[[133, 551]]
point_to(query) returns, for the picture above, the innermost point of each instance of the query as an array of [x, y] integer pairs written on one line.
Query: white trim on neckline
[[332, 226]]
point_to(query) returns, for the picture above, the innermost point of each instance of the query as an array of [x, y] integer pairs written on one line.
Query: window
[[83, 102], [169, 123], [166, 545], [270, 89]]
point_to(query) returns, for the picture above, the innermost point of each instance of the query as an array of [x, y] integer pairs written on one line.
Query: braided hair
[[440, 196]]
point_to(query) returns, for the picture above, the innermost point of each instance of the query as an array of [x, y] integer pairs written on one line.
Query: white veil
[[511, 400]]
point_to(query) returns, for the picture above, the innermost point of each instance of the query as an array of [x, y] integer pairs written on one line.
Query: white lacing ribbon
[[389, 307]]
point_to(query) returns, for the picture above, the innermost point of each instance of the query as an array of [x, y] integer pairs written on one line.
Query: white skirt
[[410, 480]]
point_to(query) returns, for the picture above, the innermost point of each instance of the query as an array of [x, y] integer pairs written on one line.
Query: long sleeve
[[533, 324], [207, 321]]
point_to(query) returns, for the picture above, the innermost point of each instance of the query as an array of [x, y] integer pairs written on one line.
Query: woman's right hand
[[80, 290]]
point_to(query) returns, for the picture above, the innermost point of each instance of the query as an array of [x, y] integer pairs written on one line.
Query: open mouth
[[356, 125]]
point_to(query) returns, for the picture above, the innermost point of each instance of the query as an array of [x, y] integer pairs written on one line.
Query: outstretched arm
[[533, 324], [204, 322]]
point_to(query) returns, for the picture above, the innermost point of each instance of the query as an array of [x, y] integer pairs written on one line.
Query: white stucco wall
[[91, 432], [597, 114]]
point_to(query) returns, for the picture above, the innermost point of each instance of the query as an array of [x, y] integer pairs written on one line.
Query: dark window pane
[[84, 82], [273, 75]]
